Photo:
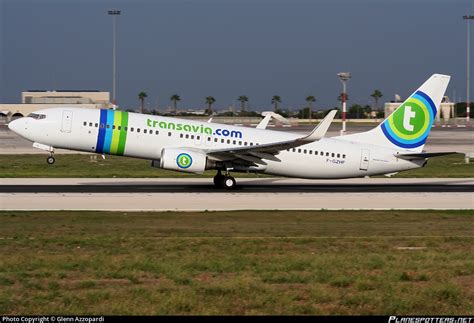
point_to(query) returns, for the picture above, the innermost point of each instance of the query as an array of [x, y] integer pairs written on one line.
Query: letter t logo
[[408, 114]]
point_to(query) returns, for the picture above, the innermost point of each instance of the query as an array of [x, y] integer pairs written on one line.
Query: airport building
[[34, 100]]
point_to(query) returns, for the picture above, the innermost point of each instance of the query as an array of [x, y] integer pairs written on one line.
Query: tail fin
[[409, 125]]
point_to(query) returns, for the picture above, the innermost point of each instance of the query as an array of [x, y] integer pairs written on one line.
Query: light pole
[[344, 77], [114, 13], [468, 68]]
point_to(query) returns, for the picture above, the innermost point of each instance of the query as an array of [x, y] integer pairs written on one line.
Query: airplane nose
[[16, 125], [13, 125]]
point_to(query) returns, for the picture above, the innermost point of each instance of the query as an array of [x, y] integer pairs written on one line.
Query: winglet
[[320, 130]]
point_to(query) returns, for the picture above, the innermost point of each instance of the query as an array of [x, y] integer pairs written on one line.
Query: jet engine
[[184, 160]]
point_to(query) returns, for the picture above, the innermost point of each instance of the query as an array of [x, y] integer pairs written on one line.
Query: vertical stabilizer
[[409, 125]]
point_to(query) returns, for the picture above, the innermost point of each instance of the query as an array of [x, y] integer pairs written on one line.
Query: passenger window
[[208, 138], [245, 143], [169, 134], [85, 123], [126, 128], [299, 150], [108, 126], [138, 129], [102, 126], [215, 139], [198, 138], [294, 149], [338, 155], [321, 153], [180, 135], [304, 151], [344, 156], [96, 125], [222, 141], [251, 144], [131, 129], [327, 154], [144, 130], [228, 141], [119, 128], [157, 132], [332, 155], [192, 136], [187, 136], [234, 142]]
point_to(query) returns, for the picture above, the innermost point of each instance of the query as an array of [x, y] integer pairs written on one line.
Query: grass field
[[377, 262], [83, 166]]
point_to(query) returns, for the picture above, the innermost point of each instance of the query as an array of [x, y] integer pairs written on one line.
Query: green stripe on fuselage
[[123, 133]]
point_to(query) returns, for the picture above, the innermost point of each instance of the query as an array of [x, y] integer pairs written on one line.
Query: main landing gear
[[224, 181]]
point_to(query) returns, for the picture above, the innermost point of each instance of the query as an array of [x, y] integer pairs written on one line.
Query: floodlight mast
[[344, 77], [114, 13], [468, 67]]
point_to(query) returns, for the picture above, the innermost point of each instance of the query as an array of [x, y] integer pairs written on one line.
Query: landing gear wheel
[[228, 182], [50, 160], [218, 179]]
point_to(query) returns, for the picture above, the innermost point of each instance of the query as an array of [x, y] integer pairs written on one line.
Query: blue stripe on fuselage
[[108, 131], [99, 147]]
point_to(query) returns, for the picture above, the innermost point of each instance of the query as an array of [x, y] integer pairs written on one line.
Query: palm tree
[[275, 100], [209, 101], [310, 99], [141, 96], [175, 98], [242, 100], [376, 95]]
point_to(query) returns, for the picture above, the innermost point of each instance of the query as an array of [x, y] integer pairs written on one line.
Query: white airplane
[[191, 146]]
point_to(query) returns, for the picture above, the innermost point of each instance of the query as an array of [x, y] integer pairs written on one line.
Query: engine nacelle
[[183, 160]]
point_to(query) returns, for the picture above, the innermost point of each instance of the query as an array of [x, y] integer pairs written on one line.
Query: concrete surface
[[224, 200]]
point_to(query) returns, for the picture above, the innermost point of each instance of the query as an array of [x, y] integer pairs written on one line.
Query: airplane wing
[[267, 116], [256, 154]]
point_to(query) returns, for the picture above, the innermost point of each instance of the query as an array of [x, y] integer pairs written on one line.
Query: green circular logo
[[184, 160]]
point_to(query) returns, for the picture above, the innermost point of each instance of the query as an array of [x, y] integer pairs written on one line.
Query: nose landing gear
[[224, 181], [50, 160]]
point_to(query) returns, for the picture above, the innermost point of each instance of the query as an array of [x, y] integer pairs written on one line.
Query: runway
[[257, 194], [245, 185]]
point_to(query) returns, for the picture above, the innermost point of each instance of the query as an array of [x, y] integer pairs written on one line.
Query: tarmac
[[254, 194]]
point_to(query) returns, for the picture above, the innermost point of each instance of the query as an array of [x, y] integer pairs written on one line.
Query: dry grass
[[377, 262]]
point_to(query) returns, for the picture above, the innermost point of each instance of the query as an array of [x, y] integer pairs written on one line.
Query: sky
[[228, 48]]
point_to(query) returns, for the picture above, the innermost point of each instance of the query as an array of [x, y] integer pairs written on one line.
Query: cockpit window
[[37, 116]]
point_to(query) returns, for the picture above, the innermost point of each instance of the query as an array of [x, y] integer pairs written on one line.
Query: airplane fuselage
[[145, 136]]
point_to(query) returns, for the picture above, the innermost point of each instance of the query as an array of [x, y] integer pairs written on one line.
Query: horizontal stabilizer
[[423, 155]]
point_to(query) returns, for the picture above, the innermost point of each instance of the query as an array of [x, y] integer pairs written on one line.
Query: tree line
[[307, 112]]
